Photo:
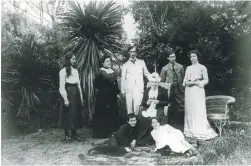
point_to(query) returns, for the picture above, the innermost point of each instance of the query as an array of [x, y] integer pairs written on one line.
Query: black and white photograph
[[125, 82]]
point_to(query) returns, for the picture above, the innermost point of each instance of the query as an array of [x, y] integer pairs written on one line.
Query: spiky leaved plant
[[95, 30], [28, 71]]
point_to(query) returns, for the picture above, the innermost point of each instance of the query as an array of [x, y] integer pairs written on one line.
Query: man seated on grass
[[126, 136], [121, 142]]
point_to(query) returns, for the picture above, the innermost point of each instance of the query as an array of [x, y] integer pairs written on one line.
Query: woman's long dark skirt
[[70, 117]]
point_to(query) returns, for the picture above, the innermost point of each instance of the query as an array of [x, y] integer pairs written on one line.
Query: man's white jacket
[[132, 76]]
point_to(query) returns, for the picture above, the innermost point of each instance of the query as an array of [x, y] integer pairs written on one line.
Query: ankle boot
[[68, 137]]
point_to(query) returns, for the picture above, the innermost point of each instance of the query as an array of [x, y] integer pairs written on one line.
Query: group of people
[[175, 94]]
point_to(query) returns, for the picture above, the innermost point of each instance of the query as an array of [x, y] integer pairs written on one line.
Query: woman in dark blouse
[[106, 118]]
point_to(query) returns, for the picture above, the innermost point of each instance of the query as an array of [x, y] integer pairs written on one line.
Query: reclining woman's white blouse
[[174, 138]]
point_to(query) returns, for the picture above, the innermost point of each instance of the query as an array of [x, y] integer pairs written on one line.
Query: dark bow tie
[[133, 60]]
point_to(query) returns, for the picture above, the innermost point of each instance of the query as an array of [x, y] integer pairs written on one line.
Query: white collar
[[133, 59], [156, 129], [154, 90], [196, 64]]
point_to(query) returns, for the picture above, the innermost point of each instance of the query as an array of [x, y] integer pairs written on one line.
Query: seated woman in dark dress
[[155, 100], [106, 118], [155, 104]]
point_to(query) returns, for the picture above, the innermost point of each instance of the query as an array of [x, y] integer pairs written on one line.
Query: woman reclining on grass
[[166, 136]]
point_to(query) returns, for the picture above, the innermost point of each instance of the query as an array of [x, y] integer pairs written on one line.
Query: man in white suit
[[132, 83]]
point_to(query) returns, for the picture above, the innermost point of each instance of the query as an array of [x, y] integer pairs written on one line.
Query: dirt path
[[48, 148], [45, 147]]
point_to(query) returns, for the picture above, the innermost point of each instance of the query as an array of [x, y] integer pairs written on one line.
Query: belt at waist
[[70, 84]]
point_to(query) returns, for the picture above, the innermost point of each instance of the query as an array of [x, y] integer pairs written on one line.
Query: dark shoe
[[78, 138], [187, 155], [175, 154], [195, 152], [68, 139], [191, 152], [81, 156]]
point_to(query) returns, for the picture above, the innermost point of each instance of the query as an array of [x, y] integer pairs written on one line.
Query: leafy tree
[[214, 28], [219, 30]]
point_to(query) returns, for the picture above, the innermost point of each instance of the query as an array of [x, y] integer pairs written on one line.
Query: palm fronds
[[94, 30], [28, 72]]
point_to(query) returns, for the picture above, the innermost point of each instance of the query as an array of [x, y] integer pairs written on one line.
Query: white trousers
[[133, 101]]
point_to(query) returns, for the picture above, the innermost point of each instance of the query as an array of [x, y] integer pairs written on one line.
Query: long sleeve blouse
[[196, 73], [72, 79]]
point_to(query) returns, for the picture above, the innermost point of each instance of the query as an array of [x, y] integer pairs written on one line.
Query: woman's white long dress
[[196, 123], [174, 138]]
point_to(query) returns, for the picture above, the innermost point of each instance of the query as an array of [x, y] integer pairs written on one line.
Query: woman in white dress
[[167, 136], [196, 123]]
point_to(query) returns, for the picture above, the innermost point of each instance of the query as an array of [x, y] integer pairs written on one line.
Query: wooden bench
[[218, 110]]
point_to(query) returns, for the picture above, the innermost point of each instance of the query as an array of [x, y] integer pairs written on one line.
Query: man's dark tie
[[175, 73], [133, 61], [173, 67]]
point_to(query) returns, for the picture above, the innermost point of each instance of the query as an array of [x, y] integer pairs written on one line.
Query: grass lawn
[[234, 147], [47, 147]]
